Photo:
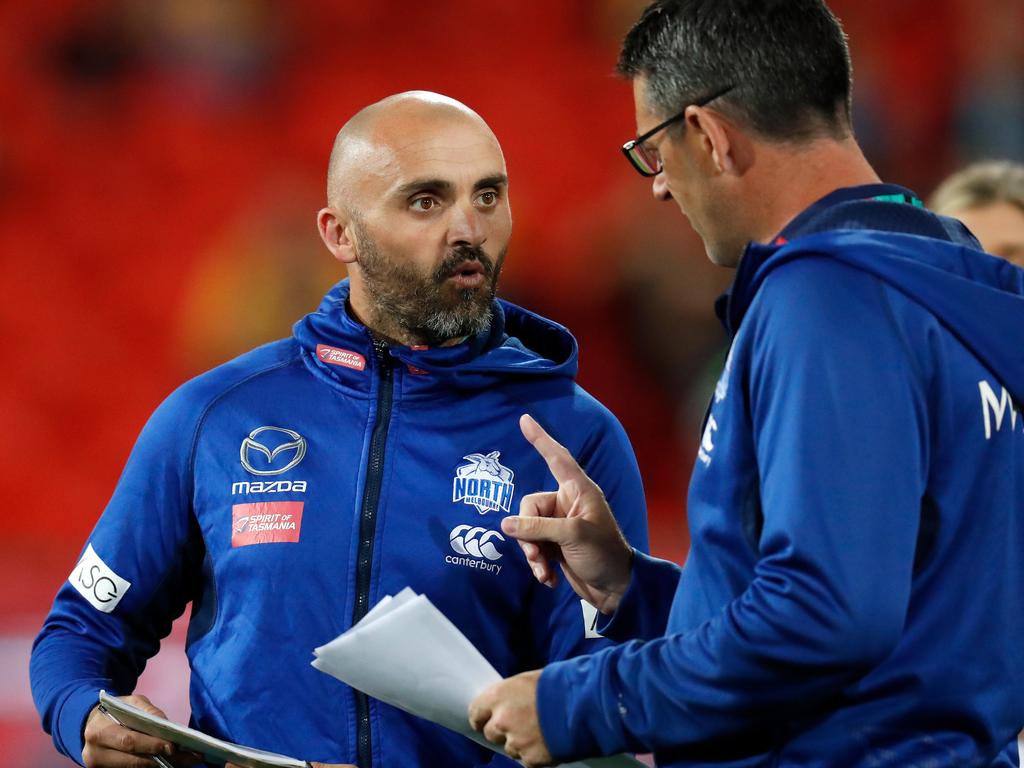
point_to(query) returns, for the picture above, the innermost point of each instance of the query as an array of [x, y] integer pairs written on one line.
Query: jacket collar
[[817, 217], [340, 350]]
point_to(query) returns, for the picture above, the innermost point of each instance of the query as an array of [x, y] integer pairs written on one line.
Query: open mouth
[[469, 274]]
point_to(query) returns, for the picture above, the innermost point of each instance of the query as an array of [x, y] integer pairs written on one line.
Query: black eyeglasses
[[647, 160]]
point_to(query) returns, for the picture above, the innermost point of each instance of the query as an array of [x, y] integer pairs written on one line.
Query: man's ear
[[336, 232], [716, 139]]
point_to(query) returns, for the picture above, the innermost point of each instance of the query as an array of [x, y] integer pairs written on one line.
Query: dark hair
[[787, 59]]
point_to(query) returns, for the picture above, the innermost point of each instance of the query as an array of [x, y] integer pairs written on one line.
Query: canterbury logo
[[475, 542], [297, 444]]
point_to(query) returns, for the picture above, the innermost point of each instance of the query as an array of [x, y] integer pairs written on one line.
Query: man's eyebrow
[[416, 186], [497, 180], [424, 185]]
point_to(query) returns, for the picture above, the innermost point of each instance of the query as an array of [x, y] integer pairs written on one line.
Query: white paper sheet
[[406, 653], [193, 740]]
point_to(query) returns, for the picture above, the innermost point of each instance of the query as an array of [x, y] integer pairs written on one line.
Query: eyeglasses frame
[[629, 146]]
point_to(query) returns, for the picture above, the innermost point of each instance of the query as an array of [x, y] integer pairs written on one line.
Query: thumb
[[551, 529], [143, 703]]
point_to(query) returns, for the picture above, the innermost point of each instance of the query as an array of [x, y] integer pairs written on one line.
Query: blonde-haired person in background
[[989, 198]]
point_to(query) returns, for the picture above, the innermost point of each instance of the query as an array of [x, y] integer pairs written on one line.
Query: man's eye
[[488, 198], [424, 204]]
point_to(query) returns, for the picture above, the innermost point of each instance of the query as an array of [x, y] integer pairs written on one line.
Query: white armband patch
[[590, 615], [97, 583]]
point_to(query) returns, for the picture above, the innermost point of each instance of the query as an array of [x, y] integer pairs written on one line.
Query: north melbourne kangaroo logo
[[484, 483]]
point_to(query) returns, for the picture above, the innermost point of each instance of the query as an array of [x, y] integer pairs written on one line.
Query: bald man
[[418, 212], [287, 491]]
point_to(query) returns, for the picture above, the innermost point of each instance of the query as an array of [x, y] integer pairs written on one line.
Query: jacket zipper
[[367, 529]]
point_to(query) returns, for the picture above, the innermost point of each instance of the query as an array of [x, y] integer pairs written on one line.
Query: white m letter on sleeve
[[97, 583]]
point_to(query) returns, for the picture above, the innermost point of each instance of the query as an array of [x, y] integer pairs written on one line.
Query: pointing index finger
[[561, 463]]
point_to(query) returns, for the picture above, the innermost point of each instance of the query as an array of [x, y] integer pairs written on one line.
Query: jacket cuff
[[575, 718], [553, 702], [642, 613], [69, 734]]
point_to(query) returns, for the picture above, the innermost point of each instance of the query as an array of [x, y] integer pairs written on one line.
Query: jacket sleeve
[[566, 627], [840, 436], [643, 611], [131, 582], [1012, 755]]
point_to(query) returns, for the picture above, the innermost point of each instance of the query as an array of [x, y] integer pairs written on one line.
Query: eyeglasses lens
[[647, 161]]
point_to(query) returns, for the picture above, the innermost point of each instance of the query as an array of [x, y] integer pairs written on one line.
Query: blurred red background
[[161, 164]]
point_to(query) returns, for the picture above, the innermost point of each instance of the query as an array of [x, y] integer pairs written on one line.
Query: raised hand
[[573, 526]]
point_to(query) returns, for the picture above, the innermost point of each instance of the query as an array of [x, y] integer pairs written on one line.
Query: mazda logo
[[297, 443]]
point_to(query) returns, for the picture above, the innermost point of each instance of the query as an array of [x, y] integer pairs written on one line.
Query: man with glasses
[[852, 596]]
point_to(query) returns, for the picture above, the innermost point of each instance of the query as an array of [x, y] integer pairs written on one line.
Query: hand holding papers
[[409, 655], [193, 740]]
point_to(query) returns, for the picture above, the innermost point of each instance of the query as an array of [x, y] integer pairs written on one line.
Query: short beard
[[413, 308]]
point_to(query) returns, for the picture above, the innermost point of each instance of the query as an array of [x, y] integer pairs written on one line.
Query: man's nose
[[466, 226], [660, 187]]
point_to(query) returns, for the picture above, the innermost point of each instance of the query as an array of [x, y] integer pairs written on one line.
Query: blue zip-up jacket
[[854, 593], [288, 490]]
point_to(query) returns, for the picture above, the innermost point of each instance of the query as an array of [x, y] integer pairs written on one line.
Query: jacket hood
[[517, 343], [978, 297]]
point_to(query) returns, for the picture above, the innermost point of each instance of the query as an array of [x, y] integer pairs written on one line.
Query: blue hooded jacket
[[853, 593], [287, 491]]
